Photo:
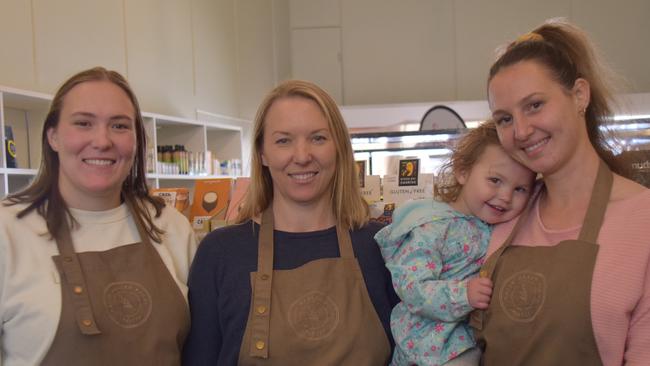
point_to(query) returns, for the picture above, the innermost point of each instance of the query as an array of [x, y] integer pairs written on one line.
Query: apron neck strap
[[64, 243], [590, 225], [265, 247], [66, 248], [73, 280], [597, 204], [345, 242]]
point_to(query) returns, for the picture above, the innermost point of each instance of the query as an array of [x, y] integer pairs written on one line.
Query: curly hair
[[466, 152]]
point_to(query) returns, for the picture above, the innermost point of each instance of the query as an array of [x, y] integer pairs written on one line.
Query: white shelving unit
[[25, 112]]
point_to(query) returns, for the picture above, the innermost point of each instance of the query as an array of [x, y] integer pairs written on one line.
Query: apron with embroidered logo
[[119, 307], [317, 314], [540, 312]]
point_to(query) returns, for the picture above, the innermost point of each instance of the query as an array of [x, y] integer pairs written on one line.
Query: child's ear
[[461, 176]]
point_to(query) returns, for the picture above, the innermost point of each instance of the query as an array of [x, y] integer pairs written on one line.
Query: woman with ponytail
[[572, 276]]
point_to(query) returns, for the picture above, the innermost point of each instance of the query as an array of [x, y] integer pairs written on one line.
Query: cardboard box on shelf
[[371, 189], [178, 198], [396, 193], [211, 198], [382, 212]]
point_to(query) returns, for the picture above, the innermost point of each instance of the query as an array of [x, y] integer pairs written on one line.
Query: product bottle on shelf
[[190, 163], [216, 167], [200, 163], [176, 158], [167, 154], [207, 167], [183, 153], [224, 167]]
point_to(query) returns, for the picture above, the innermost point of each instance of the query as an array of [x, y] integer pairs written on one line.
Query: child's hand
[[479, 292]]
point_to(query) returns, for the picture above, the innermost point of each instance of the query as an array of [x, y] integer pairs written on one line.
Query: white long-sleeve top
[[30, 290]]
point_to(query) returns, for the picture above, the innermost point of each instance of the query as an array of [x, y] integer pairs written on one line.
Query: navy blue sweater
[[220, 291]]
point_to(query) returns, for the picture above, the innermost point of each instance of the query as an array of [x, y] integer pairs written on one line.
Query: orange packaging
[[211, 198], [178, 198]]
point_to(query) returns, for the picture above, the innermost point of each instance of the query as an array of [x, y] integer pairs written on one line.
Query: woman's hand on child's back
[[479, 292]]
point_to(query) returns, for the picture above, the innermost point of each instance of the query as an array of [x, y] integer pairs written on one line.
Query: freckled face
[[299, 151], [95, 140]]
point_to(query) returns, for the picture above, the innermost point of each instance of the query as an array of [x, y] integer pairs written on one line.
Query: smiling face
[[495, 189], [95, 141], [540, 123], [299, 151]]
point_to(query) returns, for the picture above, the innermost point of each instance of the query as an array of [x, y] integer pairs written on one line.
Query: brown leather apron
[[119, 307], [540, 311], [317, 314]]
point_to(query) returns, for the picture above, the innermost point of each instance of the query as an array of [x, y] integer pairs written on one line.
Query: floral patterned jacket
[[431, 251]]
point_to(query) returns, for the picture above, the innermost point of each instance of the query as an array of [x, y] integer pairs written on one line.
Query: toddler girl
[[435, 247]]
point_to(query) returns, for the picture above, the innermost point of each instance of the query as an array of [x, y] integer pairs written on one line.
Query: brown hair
[[350, 208], [43, 193], [466, 152], [566, 51]]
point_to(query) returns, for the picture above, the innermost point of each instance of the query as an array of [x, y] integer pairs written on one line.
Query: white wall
[[397, 53], [179, 56], [160, 53], [281, 38], [412, 51], [16, 37], [223, 56], [254, 53], [215, 61]]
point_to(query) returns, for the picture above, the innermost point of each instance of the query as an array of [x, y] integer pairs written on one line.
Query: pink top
[[620, 292]]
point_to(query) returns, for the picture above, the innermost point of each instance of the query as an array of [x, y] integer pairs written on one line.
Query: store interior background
[[384, 61]]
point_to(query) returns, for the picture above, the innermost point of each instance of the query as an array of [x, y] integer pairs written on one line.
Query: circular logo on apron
[[314, 316], [128, 303], [522, 295]]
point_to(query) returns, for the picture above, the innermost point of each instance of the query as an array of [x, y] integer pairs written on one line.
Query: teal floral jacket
[[431, 251]]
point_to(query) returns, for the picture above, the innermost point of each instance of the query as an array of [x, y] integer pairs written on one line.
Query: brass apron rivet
[[86, 322], [78, 290], [261, 309], [259, 345]]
